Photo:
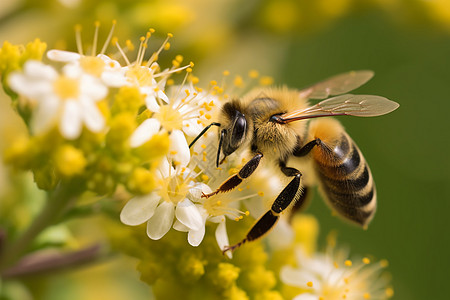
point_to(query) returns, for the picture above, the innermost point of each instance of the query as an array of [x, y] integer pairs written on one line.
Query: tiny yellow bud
[[266, 80], [69, 160], [253, 74]]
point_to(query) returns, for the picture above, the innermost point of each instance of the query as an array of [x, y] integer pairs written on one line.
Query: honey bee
[[274, 125]]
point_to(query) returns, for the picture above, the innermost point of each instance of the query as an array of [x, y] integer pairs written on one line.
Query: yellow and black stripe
[[345, 179]]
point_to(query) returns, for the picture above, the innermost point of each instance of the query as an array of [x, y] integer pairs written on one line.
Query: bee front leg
[[290, 193], [236, 179]]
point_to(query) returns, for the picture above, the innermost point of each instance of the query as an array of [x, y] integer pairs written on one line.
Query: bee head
[[233, 133]]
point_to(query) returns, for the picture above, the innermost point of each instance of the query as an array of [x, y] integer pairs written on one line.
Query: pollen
[[366, 261], [226, 73], [261, 194], [384, 263], [213, 82], [92, 65], [205, 177], [309, 284], [389, 292], [203, 146], [167, 46], [335, 264], [366, 296], [66, 88], [266, 80], [348, 263], [253, 74], [238, 81]]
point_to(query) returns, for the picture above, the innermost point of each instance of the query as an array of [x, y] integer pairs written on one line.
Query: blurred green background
[[406, 43]]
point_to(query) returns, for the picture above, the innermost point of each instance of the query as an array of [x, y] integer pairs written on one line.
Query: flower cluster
[[99, 123]]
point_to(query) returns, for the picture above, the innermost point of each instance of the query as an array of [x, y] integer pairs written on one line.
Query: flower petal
[[306, 296], [144, 132], [222, 237], [71, 125], [91, 114], [45, 114], [180, 227], [139, 209], [162, 220], [195, 237], [62, 56], [187, 213], [295, 277], [179, 147]]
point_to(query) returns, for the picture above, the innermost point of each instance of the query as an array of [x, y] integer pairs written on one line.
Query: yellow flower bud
[[69, 161], [141, 181]]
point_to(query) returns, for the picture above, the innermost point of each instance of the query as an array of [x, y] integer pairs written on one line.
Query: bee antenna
[[203, 132], [222, 135]]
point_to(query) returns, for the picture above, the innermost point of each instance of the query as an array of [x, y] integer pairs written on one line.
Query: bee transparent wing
[[349, 105], [337, 85]]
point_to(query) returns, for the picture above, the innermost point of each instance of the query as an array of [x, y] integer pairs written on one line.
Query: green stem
[[58, 201]]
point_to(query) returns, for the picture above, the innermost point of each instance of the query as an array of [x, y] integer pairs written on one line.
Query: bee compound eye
[[239, 128]]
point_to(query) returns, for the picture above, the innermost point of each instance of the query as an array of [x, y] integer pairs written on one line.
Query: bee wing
[[349, 105], [337, 85]]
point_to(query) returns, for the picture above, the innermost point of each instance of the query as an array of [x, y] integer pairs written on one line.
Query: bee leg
[[302, 151], [236, 179], [290, 193]]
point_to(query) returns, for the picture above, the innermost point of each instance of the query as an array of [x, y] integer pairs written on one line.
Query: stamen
[[94, 43], [108, 39], [78, 39], [156, 54], [122, 53]]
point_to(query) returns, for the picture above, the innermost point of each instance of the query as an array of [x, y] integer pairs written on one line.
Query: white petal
[[144, 132], [180, 227], [109, 62], [191, 127], [195, 237], [114, 78], [63, 56], [162, 220], [165, 169], [296, 277], [37, 69], [139, 209], [91, 114], [45, 114], [222, 237], [92, 88], [180, 147], [71, 120], [150, 101], [163, 96], [187, 213], [306, 296]]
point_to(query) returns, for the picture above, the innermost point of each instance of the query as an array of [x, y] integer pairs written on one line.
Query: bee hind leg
[[264, 224]]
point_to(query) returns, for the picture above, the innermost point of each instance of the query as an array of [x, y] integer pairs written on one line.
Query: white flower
[[143, 78], [331, 276], [108, 70], [173, 199], [182, 115], [68, 99]]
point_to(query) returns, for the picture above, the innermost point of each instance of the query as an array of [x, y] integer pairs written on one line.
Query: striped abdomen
[[345, 177]]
